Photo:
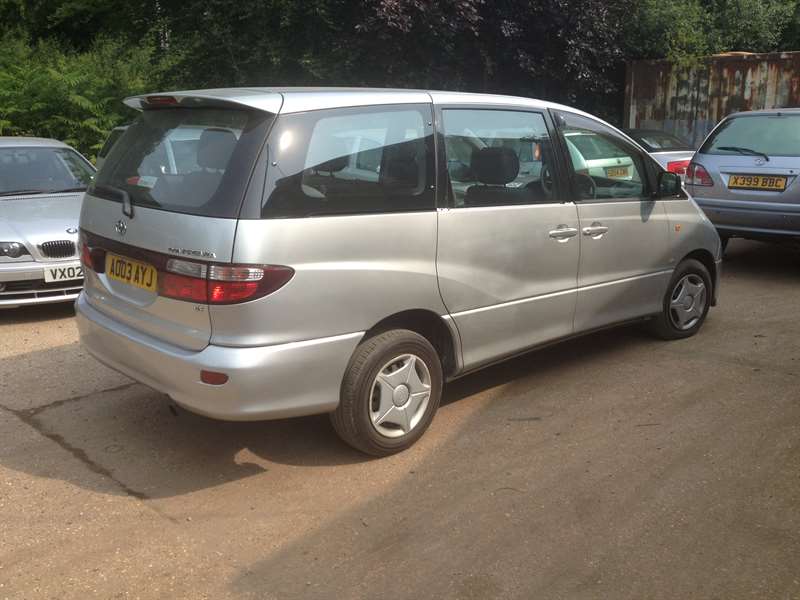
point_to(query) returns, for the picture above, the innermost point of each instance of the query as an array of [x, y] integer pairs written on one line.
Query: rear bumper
[[269, 382], [22, 284], [752, 219]]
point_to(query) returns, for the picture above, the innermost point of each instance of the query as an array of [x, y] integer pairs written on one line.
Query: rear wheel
[[390, 392], [686, 302]]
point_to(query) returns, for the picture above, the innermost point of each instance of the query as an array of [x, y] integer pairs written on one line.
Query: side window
[[498, 157], [351, 161], [605, 166]]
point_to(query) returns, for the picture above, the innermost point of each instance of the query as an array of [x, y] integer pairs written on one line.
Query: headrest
[[339, 152], [334, 165], [215, 147], [495, 166], [399, 166]]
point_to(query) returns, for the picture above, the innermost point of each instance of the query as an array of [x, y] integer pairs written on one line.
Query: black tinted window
[[188, 160], [497, 157], [351, 161], [774, 135]]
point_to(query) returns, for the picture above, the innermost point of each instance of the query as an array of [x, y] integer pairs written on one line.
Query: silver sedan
[[41, 187]]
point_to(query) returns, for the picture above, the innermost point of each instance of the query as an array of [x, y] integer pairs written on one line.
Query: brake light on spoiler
[[193, 281]]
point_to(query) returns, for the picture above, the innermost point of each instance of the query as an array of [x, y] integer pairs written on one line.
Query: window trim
[[444, 196], [647, 179]]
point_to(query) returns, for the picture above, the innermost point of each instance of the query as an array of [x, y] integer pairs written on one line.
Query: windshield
[[33, 170], [773, 135], [658, 141], [187, 160]]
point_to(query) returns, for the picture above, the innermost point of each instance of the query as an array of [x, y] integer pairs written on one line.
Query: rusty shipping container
[[690, 101]]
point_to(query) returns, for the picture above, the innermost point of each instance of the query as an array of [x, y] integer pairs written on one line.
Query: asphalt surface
[[612, 466]]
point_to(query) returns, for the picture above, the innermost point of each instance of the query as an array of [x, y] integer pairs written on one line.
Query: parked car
[[112, 138], [291, 268], [41, 185], [671, 152], [745, 176]]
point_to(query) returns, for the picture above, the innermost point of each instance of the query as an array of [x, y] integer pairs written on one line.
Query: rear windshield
[[30, 170], [657, 141], [774, 135], [186, 160]]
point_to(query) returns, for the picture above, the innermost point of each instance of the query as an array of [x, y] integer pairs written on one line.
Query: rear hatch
[[159, 221], [751, 160]]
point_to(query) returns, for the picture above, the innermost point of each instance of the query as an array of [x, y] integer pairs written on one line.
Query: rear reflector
[[213, 377], [181, 287], [678, 166]]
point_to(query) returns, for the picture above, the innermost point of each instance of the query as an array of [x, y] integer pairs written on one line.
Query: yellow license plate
[[617, 172], [132, 272], [772, 183]]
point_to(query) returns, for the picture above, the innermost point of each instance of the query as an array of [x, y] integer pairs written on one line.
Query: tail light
[[220, 284], [697, 175], [91, 258], [678, 166]]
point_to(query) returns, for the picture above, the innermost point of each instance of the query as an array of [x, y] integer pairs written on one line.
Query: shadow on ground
[[131, 435]]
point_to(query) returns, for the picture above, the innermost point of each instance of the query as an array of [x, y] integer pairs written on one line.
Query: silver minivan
[[270, 253], [746, 176]]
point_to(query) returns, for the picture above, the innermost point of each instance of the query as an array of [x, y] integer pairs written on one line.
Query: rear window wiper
[[743, 150]]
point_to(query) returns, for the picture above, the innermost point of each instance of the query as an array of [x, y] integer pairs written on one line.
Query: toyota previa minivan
[[270, 253]]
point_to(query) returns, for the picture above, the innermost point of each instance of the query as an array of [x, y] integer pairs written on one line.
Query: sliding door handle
[[563, 233], [595, 230]]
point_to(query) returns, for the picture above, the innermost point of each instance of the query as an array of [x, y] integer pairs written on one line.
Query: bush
[[73, 97]]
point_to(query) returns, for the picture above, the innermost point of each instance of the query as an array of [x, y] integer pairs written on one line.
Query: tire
[[378, 415], [670, 324]]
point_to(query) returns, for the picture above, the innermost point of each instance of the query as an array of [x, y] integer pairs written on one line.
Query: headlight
[[13, 249]]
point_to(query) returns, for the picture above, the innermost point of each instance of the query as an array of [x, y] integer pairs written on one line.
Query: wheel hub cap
[[400, 395], [688, 301]]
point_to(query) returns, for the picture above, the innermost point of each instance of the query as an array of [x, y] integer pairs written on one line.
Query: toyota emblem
[[72, 230], [121, 227], [760, 161]]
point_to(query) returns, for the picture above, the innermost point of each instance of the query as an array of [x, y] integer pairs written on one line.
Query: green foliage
[[65, 65], [75, 97], [685, 30]]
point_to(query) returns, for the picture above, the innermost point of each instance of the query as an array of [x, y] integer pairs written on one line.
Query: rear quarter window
[[351, 161]]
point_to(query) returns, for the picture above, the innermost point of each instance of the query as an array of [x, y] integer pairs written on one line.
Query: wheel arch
[[442, 336]]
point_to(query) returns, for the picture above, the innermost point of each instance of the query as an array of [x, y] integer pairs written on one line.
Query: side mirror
[[669, 185]]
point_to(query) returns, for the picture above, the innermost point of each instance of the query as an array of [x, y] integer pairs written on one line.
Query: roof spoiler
[[270, 102]]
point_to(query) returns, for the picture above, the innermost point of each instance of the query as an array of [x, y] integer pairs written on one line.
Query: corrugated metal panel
[[690, 101]]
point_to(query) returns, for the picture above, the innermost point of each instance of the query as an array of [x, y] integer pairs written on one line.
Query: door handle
[[563, 233], [595, 230]]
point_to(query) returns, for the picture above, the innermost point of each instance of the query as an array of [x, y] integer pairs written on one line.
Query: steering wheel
[[546, 178], [585, 182]]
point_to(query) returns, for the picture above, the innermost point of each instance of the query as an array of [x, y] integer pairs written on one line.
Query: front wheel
[[686, 302], [390, 392]]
